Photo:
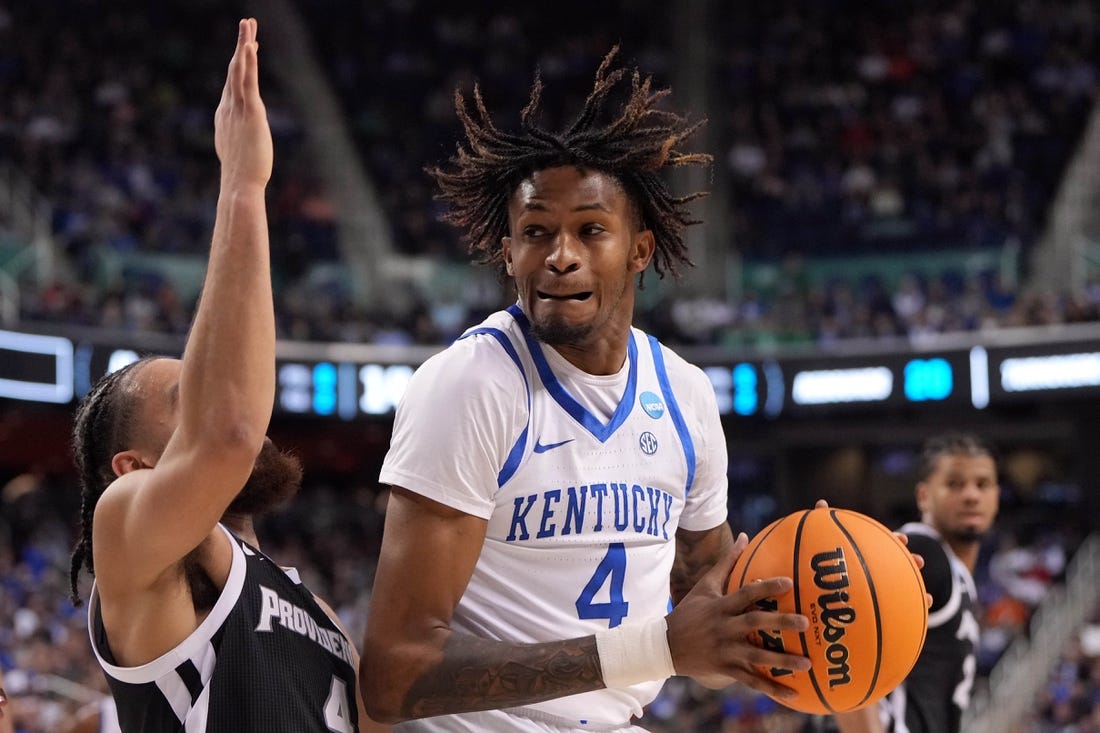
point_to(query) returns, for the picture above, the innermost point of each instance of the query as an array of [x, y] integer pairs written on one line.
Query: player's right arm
[[150, 518], [413, 664]]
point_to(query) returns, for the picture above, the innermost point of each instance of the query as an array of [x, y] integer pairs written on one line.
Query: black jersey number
[[337, 711], [968, 631]]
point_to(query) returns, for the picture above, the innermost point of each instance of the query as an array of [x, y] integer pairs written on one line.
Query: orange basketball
[[864, 596]]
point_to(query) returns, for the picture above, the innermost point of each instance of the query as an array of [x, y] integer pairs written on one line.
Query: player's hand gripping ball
[[863, 593]]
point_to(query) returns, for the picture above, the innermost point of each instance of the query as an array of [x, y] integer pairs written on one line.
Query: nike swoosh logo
[[540, 448]]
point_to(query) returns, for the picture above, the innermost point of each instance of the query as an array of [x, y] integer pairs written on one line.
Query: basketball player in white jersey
[[556, 542], [958, 495], [195, 628]]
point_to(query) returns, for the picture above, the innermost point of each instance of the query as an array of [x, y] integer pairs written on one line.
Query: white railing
[[30, 215], [1022, 671], [1066, 256]]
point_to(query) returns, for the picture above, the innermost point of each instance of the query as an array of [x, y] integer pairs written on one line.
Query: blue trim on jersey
[[590, 422], [516, 454], [674, 412]]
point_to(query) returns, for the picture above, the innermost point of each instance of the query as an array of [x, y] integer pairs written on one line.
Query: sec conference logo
[[652, 404], [648, 443]]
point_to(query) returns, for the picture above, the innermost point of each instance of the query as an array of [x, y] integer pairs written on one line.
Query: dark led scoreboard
[[351, 381]]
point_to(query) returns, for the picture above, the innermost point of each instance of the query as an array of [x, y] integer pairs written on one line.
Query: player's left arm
[[704, 537], [696, 553]]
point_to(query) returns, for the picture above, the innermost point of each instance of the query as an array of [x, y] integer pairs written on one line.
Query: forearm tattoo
[[479, 674]]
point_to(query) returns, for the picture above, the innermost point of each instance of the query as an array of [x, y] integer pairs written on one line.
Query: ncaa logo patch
[[652, 404], [648, 443]]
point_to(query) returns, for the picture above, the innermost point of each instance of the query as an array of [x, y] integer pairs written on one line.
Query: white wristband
[[634, 653]]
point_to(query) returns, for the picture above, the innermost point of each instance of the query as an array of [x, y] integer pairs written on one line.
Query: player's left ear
[[126, 461], [641, 250]]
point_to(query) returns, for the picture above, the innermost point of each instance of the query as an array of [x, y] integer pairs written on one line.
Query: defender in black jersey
[[195, 628], [958, 496], [267, 657]]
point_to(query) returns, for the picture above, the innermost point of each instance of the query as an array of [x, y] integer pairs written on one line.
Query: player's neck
[[966, 551], [241, 525]]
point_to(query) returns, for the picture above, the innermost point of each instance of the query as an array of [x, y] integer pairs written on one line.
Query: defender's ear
[[126, 461]]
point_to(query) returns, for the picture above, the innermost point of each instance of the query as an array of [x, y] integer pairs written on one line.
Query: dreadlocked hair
[[633, 147], [101, 427]]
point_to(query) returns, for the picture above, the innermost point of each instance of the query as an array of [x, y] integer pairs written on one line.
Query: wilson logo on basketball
[[862, 591], [831, 575]]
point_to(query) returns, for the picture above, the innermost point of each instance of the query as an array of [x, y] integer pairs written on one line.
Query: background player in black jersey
[[958, 495], [195, 628]]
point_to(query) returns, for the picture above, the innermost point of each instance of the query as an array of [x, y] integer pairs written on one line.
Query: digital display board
[[349, 381]]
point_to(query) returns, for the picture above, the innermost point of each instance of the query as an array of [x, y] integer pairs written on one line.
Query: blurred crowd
[[840, 128]]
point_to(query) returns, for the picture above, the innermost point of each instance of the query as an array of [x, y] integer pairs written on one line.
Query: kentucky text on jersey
[[618, 507], [293, 618]]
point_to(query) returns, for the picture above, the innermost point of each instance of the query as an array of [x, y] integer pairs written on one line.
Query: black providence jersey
[[932, 698], [267, 658]]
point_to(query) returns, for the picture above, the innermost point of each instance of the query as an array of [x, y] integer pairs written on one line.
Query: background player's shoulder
[[937, 574]]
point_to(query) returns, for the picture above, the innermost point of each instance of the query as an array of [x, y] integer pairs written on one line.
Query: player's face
[[155, 387], [275, 476], [574, 249], [961, 496]]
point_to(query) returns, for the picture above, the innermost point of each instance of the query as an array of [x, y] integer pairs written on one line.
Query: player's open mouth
[[569, 296]]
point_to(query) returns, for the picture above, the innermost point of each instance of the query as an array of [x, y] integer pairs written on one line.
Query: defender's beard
[[276, 477]]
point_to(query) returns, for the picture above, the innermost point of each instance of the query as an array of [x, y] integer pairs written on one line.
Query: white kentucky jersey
[[583, 479]]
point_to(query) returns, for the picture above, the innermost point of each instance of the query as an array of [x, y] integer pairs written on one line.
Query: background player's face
[[961, 496], [574, 249]]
